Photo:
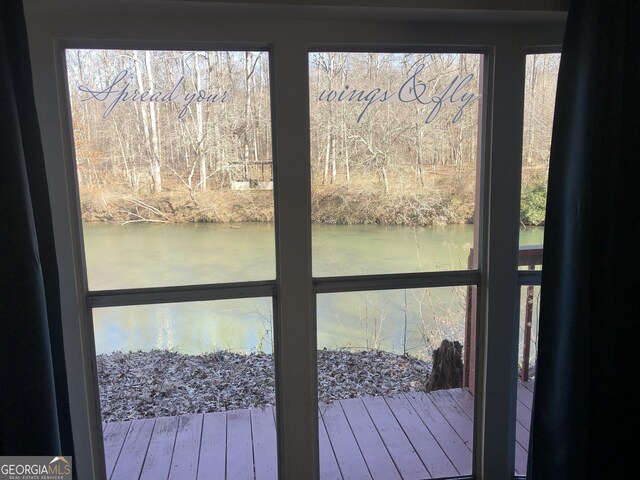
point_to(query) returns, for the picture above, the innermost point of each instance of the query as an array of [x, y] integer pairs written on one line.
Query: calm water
[[141, 255]]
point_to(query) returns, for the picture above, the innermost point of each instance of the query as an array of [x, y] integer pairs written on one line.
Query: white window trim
[[289, 34]]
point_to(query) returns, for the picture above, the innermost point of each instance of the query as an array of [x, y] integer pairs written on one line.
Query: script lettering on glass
[[412, 90], [119, 91]]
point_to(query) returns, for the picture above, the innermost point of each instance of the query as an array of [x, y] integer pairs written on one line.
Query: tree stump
[[447, 367]]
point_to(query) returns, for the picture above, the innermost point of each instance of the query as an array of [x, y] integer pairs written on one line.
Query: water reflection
[[235, 325], [398, 321]]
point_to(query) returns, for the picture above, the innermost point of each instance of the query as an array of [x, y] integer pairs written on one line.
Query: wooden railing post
[[530, 256], [468, 377], [528, 319]]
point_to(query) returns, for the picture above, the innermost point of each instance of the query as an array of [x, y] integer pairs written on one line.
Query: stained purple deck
[[408, 436]]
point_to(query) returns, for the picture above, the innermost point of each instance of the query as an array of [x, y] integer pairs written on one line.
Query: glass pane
[[392, 394], [527, 354], [539, 104], [394, 141], [180, 382], [174, 167]]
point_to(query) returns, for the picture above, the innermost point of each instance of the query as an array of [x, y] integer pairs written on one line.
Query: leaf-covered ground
[[163, 383]]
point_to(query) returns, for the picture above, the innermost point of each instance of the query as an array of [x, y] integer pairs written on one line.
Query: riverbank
[[163, 383], [330, 205]]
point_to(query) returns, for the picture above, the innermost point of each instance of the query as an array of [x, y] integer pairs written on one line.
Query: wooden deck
[[408, 436]]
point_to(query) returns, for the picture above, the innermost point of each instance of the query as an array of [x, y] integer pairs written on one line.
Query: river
[[151, 255]]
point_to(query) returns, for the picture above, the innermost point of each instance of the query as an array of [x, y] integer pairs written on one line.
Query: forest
[[184, 136]]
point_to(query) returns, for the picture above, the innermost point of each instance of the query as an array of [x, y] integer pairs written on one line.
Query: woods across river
[[402, 151]]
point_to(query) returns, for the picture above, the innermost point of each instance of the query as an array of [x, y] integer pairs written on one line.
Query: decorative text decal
[[412, 90], [120, 92]]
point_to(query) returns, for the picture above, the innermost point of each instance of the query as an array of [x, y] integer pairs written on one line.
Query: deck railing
[[529, 256]]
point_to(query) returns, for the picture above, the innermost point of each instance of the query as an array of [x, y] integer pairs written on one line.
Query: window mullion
[[294, 325], [498, 340]]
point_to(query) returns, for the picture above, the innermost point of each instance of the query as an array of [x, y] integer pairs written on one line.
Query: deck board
[[521, 460], [465, 400], [454, 414], [134, 450], [400, 448], [373, 450], [424, 443], [407, 436], [239, 445], [522, 438], [329, 469], [523, 426], [523, 415], [522, 431], [213, 446], [160, 452], [114, 438], [458, 452], [525, 395], [186, 452], [265, 455], [350, 460]]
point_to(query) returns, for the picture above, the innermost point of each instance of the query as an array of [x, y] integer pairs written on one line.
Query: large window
[[288, 238]]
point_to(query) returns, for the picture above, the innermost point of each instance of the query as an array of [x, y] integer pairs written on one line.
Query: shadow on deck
[[407, 436]]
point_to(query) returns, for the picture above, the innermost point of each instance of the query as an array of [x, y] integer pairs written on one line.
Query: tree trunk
[[200, 131], [419, 156], [149, 121], [327, 154], [447, 366], [334, 171], [531, 114], [155, 143], [385, 179], [247, 107]]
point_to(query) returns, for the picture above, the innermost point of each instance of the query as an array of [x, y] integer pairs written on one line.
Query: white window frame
[[289, 34]]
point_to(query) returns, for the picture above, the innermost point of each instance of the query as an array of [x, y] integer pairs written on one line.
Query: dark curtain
[[584, 404], [34, 406]]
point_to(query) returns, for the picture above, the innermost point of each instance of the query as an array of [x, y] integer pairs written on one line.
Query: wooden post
[[528, 318], [468, 376], [530, 255]]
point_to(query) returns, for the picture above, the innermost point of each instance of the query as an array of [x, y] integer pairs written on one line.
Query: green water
[[144, 255]]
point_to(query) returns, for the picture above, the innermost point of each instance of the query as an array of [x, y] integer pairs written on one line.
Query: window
[[287, 163], [173, 164], [540, 95], [394, 141], [174, 169], [539, 103]]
